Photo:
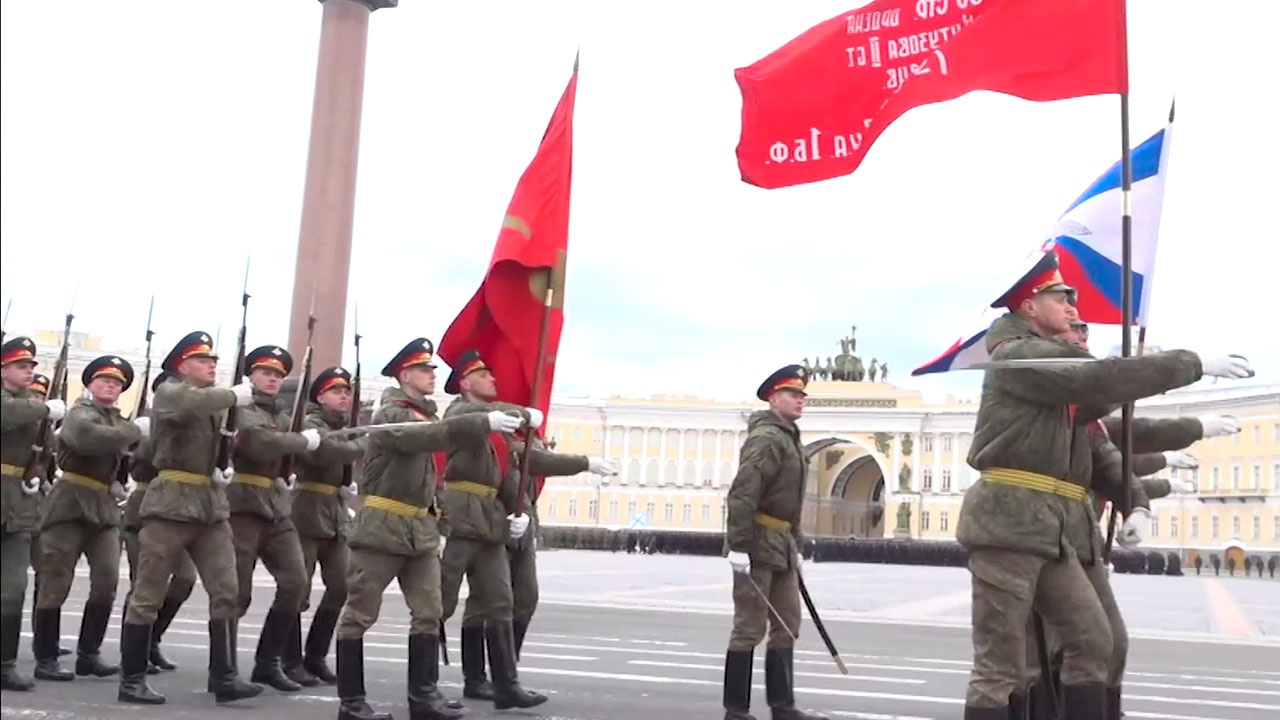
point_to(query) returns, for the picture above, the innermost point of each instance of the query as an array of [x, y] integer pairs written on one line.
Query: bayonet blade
[[150, 309]]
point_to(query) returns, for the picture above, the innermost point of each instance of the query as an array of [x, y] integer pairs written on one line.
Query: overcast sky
[[151, 147]]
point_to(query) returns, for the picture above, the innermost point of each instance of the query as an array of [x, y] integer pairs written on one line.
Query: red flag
[[504, 318], [812, 108]]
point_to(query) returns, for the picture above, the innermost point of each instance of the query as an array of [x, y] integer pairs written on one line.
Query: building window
[[613, 509], [551, 508], [946, 445], [648, 512], [926, 480], [1275, 474], [690, 473], [1257, 433], [1214, 528], [633, 472], [1155, 526], [1173, 526], [708, 472], [1235, 526], [631, 511], [669, 478], [706, 514], [1217, 477], [1257, 475], [1235, 477], [946, 484], [596, 436], [573, 508], [1275, 433], [669, 512], [686, 513], [924, 521], [927, 443], [1195, 527], [592, 508], [651, 473], [577, 435], [944, 521], [1257, 528]]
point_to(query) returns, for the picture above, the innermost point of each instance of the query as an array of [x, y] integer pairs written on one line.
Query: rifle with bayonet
[[126, 463], [8, 306], [304, 389], [42, 449], [226, 444], [349, 470]]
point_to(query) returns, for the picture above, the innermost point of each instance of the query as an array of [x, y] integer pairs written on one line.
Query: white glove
[[287, 484], [799, 561], [313, 438], [535, 418], [244, 394], [351, 512], [502, 422], [517, 525], [739, 561], [1182, 486], [1175, 459], [57, 409], [144, 425], [31, 487], [349, 491], [223, 479], [443, 541], [1233, 367], [120, 492], [1215, 425], [1134, 530], [600, 466]]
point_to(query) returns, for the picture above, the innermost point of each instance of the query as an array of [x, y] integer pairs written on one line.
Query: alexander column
[[328, 203]]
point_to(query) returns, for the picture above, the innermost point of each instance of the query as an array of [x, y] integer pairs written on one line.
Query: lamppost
[[599, 481]]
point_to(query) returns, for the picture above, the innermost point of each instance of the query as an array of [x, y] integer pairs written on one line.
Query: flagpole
[[543, 331], [1126, 319]]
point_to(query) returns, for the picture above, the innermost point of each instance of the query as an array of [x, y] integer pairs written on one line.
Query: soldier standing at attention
[[186, 510], [763, 536], [395, 535], [1023, 522], [184, 575], [482, 485], [21, 412], [260, 508], [320, 514], [81, 517]]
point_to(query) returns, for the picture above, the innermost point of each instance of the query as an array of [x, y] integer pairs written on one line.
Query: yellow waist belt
[[11, 470], [473, 488], [321, 488], [83, 481], [772, 522], [395, 507], [257, 481], [141, 486], [1034, 481], [183, 476]]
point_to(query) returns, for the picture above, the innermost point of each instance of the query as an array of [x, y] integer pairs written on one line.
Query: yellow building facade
[[883, 461]]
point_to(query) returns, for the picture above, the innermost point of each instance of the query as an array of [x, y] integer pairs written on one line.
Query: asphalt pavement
[[622, 637]]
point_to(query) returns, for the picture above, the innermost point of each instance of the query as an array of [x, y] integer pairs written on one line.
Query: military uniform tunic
[[143, 473], [260, 510], [81, 516], [1029, 535], [395, 534], [20, 414], [764, 510], [320, 510], [184, 510]]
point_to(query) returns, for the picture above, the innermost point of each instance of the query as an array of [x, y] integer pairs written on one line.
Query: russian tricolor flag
[[966, 353], [1088, 240]]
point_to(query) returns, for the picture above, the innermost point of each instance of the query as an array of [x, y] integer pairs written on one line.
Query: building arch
[[852, 503]]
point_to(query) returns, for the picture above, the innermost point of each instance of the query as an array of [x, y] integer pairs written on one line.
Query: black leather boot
[[319, 636], [224, 680], [475, 683], [93, 628], [164, 618], [351, 683], [266, 665], [291, 656], [737, 684], [779, 686], [134, 641], [425, 700], [1113, 704], [1018, 706], [47, 624], [10, 631], [1085, 702], [507, 692], [518, 629]]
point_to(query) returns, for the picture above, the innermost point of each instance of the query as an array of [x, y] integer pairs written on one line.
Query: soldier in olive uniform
[[480, 503], [81, 517], [40, 388], [186, 510], [763, 537], [183, 580], [260, 509], [320, 514], [21, 412], [1030, 537], [395, 535]]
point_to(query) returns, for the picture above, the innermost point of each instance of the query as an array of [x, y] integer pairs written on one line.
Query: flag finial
[[576, 55], [1171, 104]]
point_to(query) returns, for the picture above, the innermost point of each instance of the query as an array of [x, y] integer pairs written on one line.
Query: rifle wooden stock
[[349, 470], [126, 463], [299, 411], [226, 444], [42, 448]]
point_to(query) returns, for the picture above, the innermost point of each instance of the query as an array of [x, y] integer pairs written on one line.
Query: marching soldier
[[186, 510], [480, 504], [40, 388], [320, 514], [763, 538], [395, 534], [81, 517], [1029, 536], [183, 580], [21, 412], [260, 509]]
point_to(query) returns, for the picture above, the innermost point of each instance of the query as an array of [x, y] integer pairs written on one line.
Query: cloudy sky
[[152, 147]]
